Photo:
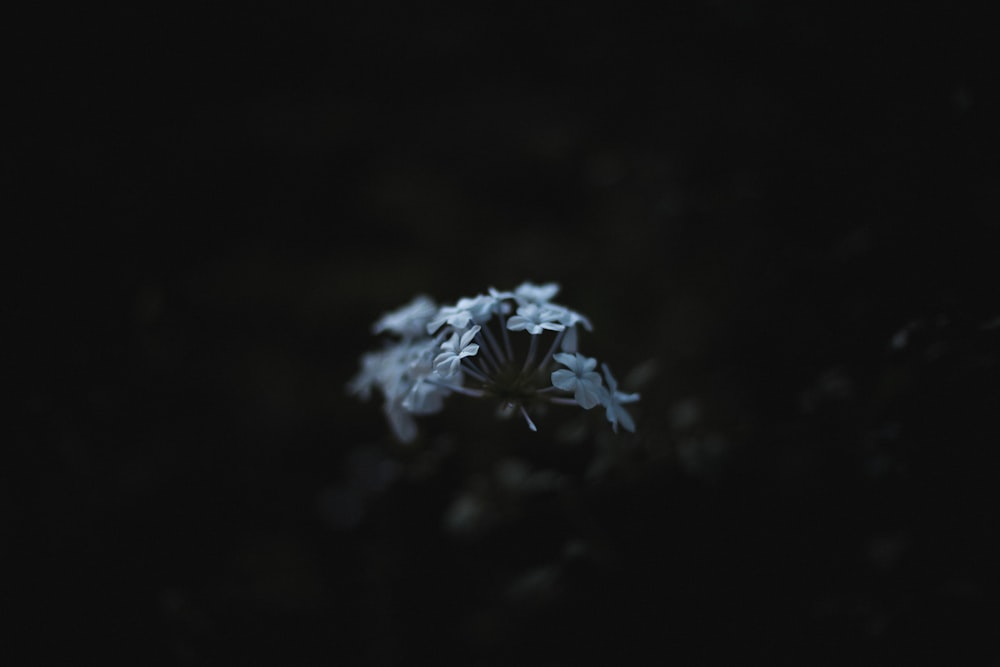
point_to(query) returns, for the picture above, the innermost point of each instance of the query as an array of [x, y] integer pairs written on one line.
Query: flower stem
[[552, 348], [468, 368], [532, 348], [455, 388], [487, 350], [478, 365], [562, 401], [506, 336], [531, 424]]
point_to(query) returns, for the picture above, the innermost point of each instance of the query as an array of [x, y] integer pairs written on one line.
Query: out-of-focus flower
[[408, 321], [612, 400], [581, 379], [531, 293], [456, 348]]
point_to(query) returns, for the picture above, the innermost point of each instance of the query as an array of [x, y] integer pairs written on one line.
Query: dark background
[[778, 218]]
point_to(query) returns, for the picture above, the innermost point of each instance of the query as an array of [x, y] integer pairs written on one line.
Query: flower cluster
[[488, 346]]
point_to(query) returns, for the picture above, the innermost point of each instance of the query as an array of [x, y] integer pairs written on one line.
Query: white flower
[[453, 315], [500, 296], [570, 317], [483, 306], [424, 398], [383, 369], [612, 400], [478, 310], [581, 378], [534, 319], [362, 383], [408, 321], [424, 364], [532, 293], [400, 372], [456, 348]]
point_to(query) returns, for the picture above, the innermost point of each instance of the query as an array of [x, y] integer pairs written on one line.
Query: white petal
[[564, 379], [460, 320], [564, 358], [434, 325], [517, 323], [626, 420], [531, 292], [469, 335], [587, 395], [569, 341], [607, 400], [626, 398]]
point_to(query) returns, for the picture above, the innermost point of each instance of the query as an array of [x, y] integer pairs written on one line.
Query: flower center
[[511, 383]]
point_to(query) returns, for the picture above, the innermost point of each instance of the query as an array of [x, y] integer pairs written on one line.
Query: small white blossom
[[482, 307], [501, 296], [451, 315], [581, 379], [407, 369], [477, 310], [612, 400], [531, 293], [534, 319], [400, 372], [541, 295], [408, 321], [456, 348], [570, 317], [425, 398]]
